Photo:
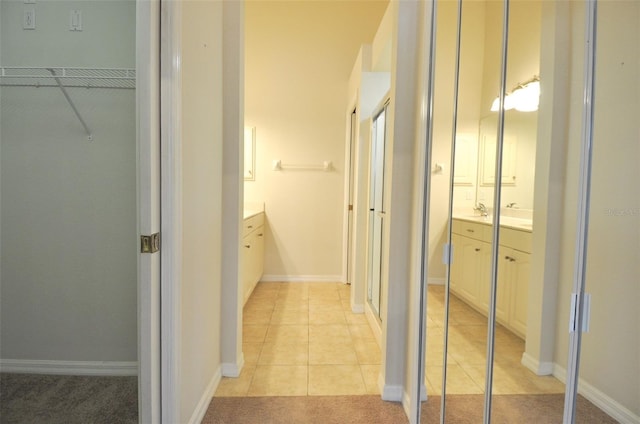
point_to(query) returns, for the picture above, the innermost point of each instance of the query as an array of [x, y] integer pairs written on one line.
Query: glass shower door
[[376, 209]]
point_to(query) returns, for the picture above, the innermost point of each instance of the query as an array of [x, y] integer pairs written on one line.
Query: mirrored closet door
[[543, 217]]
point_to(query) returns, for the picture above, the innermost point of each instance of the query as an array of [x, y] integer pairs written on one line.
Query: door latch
[[150, 244]]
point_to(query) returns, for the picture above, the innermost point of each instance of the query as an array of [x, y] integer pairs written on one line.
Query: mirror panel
[[471, 227], [609, 372]]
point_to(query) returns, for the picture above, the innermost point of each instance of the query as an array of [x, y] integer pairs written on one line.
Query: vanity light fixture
[[524, 98]]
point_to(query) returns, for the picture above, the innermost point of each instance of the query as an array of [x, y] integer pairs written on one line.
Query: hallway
[[302, 339]]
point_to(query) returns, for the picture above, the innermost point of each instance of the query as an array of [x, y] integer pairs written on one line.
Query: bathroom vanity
[[471, 267], [252, 258]]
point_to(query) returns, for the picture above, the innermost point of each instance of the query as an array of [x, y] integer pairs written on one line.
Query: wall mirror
[[249, 153], [475, 161]]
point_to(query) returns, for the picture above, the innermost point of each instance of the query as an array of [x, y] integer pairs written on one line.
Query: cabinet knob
[[470, 230], [477, 249], [248, 246], [260, 235], [250, 226]]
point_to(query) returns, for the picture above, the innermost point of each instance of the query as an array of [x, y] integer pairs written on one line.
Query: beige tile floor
[[303, 339], [466, 356]]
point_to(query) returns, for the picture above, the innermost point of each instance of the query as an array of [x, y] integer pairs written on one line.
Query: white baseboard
[[231, 369], [302, 279], [433, 281], [357, 308], [205, 399], [599, 399], [537, 367], [374, 324], [106, 368], [389, 392]]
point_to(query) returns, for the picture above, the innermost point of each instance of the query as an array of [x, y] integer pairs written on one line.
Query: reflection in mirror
[[535, 263], [471, 228], [442, 126], [513, 383]]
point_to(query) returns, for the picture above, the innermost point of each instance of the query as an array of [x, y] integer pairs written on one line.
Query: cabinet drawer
[[472, 230], [518, 240], [252, 223]]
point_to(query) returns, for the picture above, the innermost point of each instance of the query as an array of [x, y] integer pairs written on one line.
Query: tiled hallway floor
[[303, 339]]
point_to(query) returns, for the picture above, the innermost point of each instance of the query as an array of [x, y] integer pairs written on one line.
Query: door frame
[[349, 189], [148, 206]]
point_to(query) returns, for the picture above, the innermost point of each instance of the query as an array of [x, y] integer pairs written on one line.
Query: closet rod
[[73, 106]]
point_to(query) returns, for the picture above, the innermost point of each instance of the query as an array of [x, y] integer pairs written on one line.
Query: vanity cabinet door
[[520, 271], [257, 256], [468, 252], [252, 256], [246, 259], [504, 285]]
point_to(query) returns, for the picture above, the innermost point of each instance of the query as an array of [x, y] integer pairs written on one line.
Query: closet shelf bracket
[[73, 106]]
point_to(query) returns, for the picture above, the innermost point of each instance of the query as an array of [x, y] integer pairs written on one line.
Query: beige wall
[[299, 56], [201, 142], [69, 248]]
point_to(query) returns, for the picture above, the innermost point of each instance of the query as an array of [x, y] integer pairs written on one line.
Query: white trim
[[171, 208], [392, 393], [599, 399], [539, 368], [105, 368], [349, 146], [148, 207], [357, 308], [301, 279], [230, 369], [205, 400], [373, 323]]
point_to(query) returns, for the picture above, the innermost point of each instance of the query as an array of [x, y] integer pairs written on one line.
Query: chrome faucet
[[482, 209]]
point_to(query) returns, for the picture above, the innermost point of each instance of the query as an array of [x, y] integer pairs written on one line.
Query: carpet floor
[[56, 399], [461, 409]]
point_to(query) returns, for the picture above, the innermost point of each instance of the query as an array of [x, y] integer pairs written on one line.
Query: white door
[[351, 159], [376, 209]]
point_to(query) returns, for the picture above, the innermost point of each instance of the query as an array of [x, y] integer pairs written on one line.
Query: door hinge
[[586, 313], [150, 244], [447, 254]]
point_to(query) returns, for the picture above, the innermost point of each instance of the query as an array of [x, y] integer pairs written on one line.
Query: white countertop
[[521, 224], [248, 213]]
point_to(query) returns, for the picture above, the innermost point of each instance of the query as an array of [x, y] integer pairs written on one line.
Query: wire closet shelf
[[120, 78], [64, 78]]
